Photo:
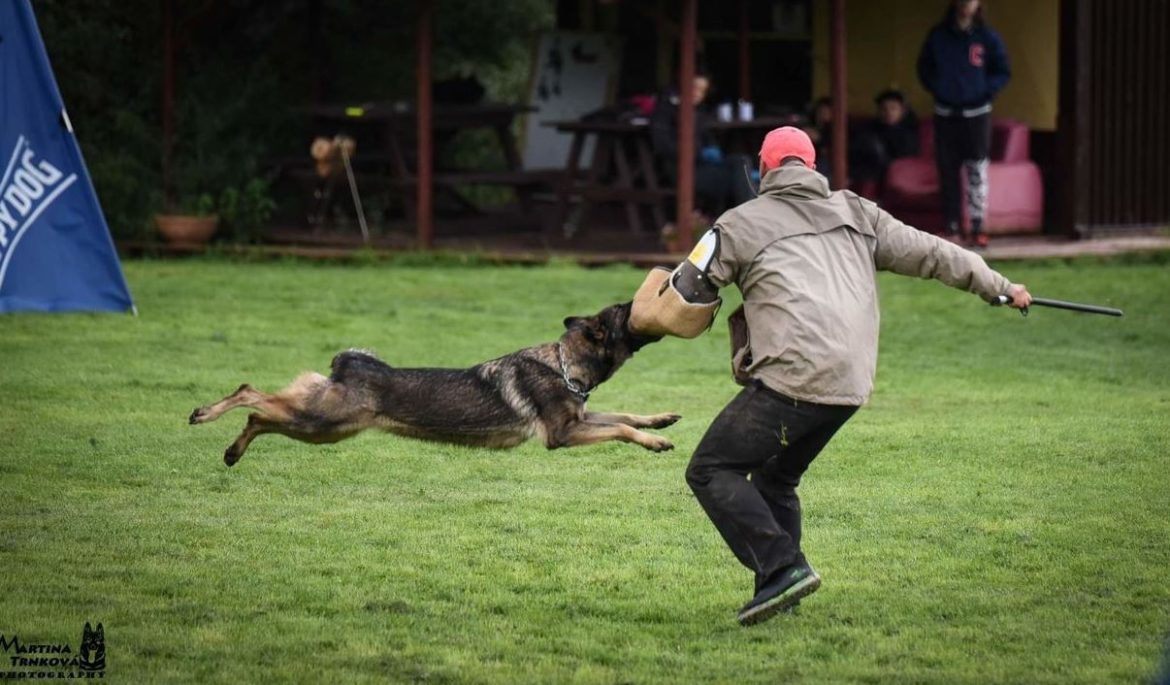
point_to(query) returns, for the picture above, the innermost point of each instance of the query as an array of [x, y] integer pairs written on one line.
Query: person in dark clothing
[[964, 65], [720, 180], [820, 131], [891, 135]]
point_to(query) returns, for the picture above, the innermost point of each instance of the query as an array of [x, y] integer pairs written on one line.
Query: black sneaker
[[783, 592]]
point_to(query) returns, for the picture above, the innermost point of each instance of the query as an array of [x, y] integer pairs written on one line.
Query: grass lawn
[[997, 513]]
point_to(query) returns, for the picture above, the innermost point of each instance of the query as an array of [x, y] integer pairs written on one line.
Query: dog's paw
[[656, 443], [664, 420], [198, 416], [232, 454]]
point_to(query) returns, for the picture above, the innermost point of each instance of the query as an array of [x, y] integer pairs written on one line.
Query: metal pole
[[686, 125], [353, 191], [839, 94], [425, 172]]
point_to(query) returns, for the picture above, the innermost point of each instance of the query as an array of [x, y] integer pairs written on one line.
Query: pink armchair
[[1015, 201]]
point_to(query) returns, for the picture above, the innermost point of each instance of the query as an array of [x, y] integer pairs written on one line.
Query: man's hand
[[1021, 298]]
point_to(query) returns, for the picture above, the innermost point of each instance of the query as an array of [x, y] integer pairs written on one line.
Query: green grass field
[[997, 513]]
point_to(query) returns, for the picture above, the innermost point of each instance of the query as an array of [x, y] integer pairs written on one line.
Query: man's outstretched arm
[[911, 252]]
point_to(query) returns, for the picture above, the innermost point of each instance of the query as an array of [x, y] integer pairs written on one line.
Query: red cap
[[787, 141]]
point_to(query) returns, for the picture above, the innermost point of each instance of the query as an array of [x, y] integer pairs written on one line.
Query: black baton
[[1059, 304]]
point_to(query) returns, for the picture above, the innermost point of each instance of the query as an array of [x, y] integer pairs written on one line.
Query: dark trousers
[[746, 469], [962, 142]]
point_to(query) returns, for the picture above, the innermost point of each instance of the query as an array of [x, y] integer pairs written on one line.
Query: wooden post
[[1073, 120], [686, 125], [839, 95], [424, 175]]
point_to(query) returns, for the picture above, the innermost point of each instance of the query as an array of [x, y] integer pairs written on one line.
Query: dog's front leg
[[635, 420], [588, 432]]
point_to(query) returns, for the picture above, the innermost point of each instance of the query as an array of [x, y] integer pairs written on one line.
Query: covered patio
[[1096, 179]]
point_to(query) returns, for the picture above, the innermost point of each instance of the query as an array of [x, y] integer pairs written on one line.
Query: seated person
[[820, 131], [720, 180], [890, 135]]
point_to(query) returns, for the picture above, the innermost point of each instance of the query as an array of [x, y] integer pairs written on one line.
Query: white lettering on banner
[[14, 195], [26, 191], [44, 172], [6, 220], [29, 184]]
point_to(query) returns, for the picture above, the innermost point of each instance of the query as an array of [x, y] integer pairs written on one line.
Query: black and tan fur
[[499, 403]]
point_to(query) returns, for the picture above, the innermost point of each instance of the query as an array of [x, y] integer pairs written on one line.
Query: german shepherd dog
[[536, 392]]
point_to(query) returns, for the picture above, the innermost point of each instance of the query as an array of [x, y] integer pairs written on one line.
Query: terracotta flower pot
[[178, 228]]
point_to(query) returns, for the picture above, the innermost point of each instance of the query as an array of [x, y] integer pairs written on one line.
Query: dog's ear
[[571, 321]]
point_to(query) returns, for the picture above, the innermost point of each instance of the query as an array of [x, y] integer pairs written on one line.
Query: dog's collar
[[569, 382]]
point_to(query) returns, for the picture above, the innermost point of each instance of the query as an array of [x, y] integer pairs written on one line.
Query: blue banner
[[55, 248]]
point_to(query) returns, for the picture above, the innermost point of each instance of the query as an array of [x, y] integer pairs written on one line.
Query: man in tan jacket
[[806, 260]]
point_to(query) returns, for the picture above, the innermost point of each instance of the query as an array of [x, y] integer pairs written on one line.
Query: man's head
[[702, 87], [965, 12], [822, 112], [784, 143], [891, 107]]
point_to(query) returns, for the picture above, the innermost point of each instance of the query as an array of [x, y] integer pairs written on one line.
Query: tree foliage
[[242, 67]]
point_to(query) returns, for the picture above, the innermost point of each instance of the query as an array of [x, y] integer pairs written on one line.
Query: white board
[[574, 74]]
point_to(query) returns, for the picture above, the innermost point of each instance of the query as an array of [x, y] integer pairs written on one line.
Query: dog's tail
[[356, 362]]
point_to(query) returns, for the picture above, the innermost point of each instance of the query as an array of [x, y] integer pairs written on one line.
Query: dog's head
[[93, 648], [603, 342]]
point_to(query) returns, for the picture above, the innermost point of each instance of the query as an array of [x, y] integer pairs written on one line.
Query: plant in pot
[[242, 212], [212, 182], [193, 221]]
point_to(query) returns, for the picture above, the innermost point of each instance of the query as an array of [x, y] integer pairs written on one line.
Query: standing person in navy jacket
[[963, 63]]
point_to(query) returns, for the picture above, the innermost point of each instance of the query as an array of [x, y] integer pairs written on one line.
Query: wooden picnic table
[[624, 146], [623, 170], [394, 123]]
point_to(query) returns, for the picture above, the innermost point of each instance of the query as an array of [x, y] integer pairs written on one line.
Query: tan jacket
[[806, 261]]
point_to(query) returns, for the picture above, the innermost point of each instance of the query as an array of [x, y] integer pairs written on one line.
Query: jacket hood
[[795, 180]]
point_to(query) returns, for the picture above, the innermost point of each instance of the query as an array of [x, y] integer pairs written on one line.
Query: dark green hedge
[[242, 66]]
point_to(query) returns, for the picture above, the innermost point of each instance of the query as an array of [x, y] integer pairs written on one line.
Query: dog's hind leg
[[305, 428], [257, 425], [634, 420], [279, 406], [244, 396], [312, 409]]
